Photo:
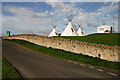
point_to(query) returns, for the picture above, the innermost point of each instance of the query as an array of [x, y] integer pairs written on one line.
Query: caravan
[[105, 29]]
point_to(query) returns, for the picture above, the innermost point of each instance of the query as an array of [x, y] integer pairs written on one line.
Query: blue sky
[[37, 17]]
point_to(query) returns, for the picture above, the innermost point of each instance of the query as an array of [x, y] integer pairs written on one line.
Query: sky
[[38, 17]]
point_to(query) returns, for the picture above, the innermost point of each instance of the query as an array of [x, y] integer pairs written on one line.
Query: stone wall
[[105, 52]]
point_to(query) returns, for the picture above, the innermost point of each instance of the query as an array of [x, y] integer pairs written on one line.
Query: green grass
[[8, 71], [111, 39], [68, 55]]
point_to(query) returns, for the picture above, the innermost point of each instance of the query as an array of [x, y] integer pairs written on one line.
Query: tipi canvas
[[69, 31], [53, 33], [80, 33]]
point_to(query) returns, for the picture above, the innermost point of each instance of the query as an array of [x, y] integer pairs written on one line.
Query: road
[[32, 64]]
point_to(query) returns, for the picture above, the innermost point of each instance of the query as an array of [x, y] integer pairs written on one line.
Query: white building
[[105, 29]]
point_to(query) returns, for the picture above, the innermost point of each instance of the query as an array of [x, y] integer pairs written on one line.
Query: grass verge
[[68, 55], [111, 39], [8, 71]]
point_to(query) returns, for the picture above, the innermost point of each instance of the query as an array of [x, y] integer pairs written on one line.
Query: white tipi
[[69, 30], [53, 33], [80, 33]]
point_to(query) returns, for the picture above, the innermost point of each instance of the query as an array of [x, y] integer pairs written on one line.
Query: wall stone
[[104, 52]]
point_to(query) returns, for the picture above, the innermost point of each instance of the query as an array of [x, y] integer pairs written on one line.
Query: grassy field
[[8, 71], [111, 39], [68, 55]]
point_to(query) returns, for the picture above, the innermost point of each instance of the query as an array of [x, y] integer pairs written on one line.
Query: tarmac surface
[[32, 64]]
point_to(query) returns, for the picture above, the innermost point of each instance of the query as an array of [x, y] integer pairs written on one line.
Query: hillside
[[111, 39]]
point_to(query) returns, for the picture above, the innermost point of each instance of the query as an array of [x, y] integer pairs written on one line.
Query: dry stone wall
[[105, 52]]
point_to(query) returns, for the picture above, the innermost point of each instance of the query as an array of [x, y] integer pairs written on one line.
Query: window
[[101, 29]]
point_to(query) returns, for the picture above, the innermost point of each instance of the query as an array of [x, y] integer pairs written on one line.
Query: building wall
[[105, 52]]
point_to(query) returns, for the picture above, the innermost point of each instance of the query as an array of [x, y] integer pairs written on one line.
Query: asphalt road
[[32, 64]]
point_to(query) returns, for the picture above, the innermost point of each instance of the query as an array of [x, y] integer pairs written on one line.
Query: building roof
[[104, 26]]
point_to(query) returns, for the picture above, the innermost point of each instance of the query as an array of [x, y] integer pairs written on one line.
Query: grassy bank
[[68, 55], [8, 71], [111, 39]]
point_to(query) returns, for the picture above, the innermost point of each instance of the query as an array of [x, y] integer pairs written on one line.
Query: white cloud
[[107, 9], [95, 19], [24, 19], [27, 19], [80, 16]]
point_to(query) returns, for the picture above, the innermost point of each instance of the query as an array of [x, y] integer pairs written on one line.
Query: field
[[8, 71], [68, 55], [111, 39]]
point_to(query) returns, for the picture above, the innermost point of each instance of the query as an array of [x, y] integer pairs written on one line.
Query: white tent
[[53, 33], [80, 33], [69, 31]]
